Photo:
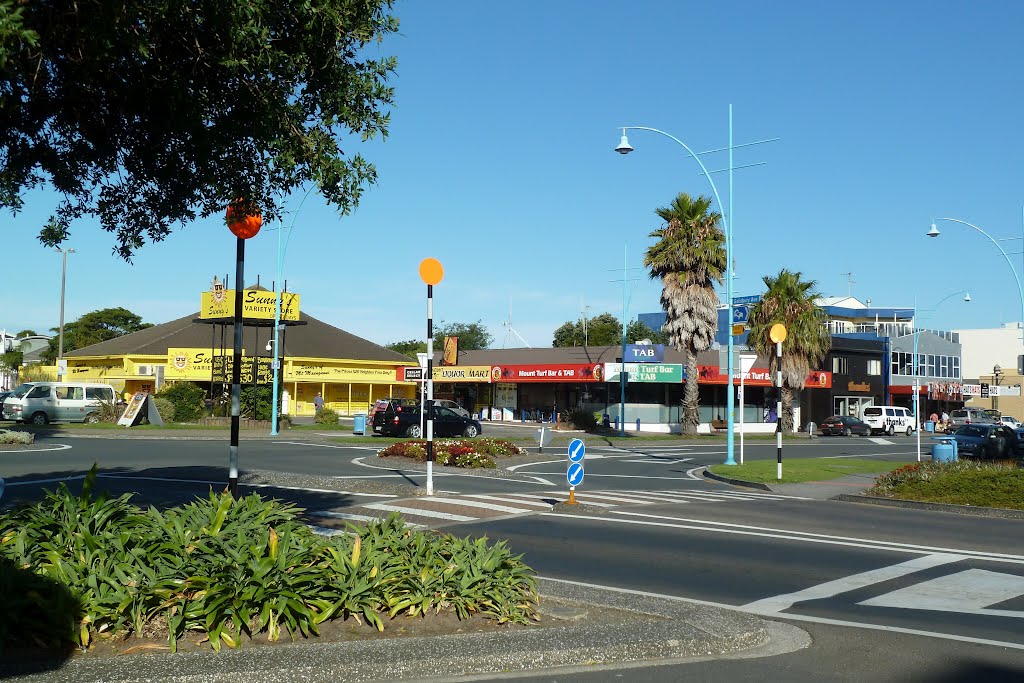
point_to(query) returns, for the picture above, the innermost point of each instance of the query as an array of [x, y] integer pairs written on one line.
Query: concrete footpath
[[593, 629]]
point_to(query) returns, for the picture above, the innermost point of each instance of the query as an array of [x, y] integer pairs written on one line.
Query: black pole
[[429, 406], [778, 421], [255, 370], [236, 369]]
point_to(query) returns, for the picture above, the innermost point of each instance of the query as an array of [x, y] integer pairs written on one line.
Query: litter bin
[[944, 449], [359, 424], [929, 425]]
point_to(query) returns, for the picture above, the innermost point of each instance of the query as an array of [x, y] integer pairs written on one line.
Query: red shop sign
[[548, 373], [760, 377]]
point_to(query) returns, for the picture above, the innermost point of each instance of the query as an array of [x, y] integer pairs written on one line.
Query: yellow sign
[[738, 329], [183, 363], [778, 333], [463, 373], [256, 303], [330, 373]]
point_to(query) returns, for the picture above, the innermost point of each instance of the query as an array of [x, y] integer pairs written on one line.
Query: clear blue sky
[[500, 164]]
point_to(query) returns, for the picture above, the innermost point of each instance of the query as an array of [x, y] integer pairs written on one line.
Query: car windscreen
[[22, 390], [971, 430]]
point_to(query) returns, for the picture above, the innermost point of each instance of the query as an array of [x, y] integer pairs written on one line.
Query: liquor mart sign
[[661, 373]]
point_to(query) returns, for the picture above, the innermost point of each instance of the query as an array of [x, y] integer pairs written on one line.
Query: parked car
[[986, 441], [993, 413], [1009, 421], [845, 425], [453, 406], [968, 416], [405, 421], [3, 395], [889, 420], [39, 403]]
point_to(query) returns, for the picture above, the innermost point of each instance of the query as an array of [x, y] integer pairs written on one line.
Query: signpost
[[746, 362], [778, 335], [574, 475]]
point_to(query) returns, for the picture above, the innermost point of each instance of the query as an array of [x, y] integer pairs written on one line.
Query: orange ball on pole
[[241, 224]]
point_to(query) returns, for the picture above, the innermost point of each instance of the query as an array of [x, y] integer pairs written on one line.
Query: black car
[[845, 425], [984, 441], [404, 420]]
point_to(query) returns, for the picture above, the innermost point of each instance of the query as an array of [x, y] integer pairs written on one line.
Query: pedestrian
[[934, 417], [318, 403]]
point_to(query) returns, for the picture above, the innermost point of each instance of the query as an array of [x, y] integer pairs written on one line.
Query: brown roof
[[315, 339]]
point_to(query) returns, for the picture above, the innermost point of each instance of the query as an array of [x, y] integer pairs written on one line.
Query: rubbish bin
[[929, 425], [359, 424], [944, 449]]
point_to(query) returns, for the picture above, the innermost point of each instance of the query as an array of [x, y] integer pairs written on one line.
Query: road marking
[[779, 603], [880, 441], [797, 617], [331, 514], [691, 475], [242, 483], [527, 464], [56, 447], [418, 512], [45, 481], [511, 499], [475, 504], [654, 460], [309, 443], [966, 592], [768, 532]]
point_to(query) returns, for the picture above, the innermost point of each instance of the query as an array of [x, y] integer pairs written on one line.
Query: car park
[[966, 416], [845, 425], [986, 441], [889, 420]]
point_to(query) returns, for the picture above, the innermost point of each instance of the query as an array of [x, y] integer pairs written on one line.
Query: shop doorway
[[850, 405]]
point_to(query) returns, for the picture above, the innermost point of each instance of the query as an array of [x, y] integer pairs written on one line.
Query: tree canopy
[[472, 337], [148, 114], [92, 328], [602, 330]]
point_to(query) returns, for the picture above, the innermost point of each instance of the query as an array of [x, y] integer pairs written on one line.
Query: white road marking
[[476, 504], [799, 617], [242, 483], [326, 531], [528, 464], [510, 499], [56, 447], [420, 513], [746, 529], [966, 592], [651, 460], [45, 481], [691, 475], [880, 442], [603, 496], [331, 514], [542, 480], [780, 603], [309, 443]]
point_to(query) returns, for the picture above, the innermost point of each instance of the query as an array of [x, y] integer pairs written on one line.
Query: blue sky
[[500, 164]]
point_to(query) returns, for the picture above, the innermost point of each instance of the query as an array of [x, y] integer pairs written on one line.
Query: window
[[931, 365], [98, 394], [39, 392], [874, 367], [71, 393], [956, 367], [840, 365]]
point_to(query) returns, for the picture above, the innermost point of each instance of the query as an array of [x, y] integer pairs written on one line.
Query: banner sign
[[462, 373], [548, 373], [331, 373], [222, 367], [970, 389], [760, 377], [410, 374], [644, 353], [256, 303], [662, 373], [185, 363]]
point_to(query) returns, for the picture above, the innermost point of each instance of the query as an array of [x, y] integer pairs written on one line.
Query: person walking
[[318, 403]]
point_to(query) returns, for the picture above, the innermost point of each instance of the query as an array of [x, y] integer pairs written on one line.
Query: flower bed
[[455, 452], [966, 482]]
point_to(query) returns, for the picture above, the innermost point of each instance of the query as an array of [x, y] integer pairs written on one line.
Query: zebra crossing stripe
[[418, 512], [476, 504], [510, 499], [331, 514], [608, 496]]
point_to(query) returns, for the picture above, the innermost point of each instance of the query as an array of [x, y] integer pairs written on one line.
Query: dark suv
[[404, 420]]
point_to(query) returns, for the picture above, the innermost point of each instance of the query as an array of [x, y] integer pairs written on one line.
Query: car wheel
[[891, 430], [39, 418], [910, 431], [471, 431], [414, 432], [848, 432], [92, 418]]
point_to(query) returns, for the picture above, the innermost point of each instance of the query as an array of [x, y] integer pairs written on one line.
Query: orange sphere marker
[[431, 271]]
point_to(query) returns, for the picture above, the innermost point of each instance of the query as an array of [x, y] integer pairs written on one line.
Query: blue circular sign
[[577, 451], [575, 473]]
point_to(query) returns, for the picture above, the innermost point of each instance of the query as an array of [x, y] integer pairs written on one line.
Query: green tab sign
[[663, 373]]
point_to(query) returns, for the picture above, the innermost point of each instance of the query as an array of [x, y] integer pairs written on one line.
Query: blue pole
[[730, 392], [277, 314]]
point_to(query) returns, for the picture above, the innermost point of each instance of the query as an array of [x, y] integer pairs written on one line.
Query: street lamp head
[[996, 369], [270, 345], [624, 146], [934, 232], [967, 296]]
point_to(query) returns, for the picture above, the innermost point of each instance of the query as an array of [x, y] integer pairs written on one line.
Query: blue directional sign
[[577, 450], [575, 474], [738, 300], [740, 314]]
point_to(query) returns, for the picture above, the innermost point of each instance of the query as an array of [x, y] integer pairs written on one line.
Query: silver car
[[967, 416]]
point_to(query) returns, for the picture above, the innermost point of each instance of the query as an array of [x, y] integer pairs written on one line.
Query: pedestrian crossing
[[446, 509]]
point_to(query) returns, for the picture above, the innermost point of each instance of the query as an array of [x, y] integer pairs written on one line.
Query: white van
[[889, 420], [42, 402]]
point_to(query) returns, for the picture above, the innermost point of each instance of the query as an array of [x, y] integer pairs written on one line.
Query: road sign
[[737, 330], [577, 450], [740, 313], [413, 374], [746, 299], [575, 474]]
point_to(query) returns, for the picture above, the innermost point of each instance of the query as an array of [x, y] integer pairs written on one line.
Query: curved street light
[[934, 232], [625, 148]]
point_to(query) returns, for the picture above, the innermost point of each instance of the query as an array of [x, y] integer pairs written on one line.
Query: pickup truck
[[406, 422]]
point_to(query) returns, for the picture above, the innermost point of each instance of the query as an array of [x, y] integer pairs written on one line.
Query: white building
[[984, 349]]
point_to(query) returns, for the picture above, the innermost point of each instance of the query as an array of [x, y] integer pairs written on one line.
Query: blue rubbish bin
[[359, 424], [929, 426], [944, 449]]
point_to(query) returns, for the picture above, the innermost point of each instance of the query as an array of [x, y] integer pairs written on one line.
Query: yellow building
[[349, 371]]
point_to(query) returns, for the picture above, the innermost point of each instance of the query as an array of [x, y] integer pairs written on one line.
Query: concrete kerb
[[736, 482], [1002, 513], [659, 631]]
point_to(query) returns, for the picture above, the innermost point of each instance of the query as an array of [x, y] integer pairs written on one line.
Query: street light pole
[[625, 148], [997, 374], [63, 280]]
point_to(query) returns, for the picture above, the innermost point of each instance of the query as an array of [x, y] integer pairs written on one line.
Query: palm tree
[[790, 301], [689, 258]]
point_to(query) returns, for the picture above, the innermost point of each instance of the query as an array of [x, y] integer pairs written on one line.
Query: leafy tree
[[92, 328], [146, 114], [26, 333], [790, 301], [188, 399], [601, 330], [689, 257], [11, 360], [636, 331], [472, 336], [410, 348]]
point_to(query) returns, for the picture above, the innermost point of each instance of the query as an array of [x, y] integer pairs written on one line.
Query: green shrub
[[233, 568], [165, 408], [263, 408], [188, 399], [109, 412], [326, 416], [582, 419], [8, 436]]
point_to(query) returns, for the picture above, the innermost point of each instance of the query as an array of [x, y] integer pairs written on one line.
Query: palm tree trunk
[[691, 416], [787, 408]]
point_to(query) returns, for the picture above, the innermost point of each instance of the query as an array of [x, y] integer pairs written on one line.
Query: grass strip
[[999, 485], [800, 470]]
